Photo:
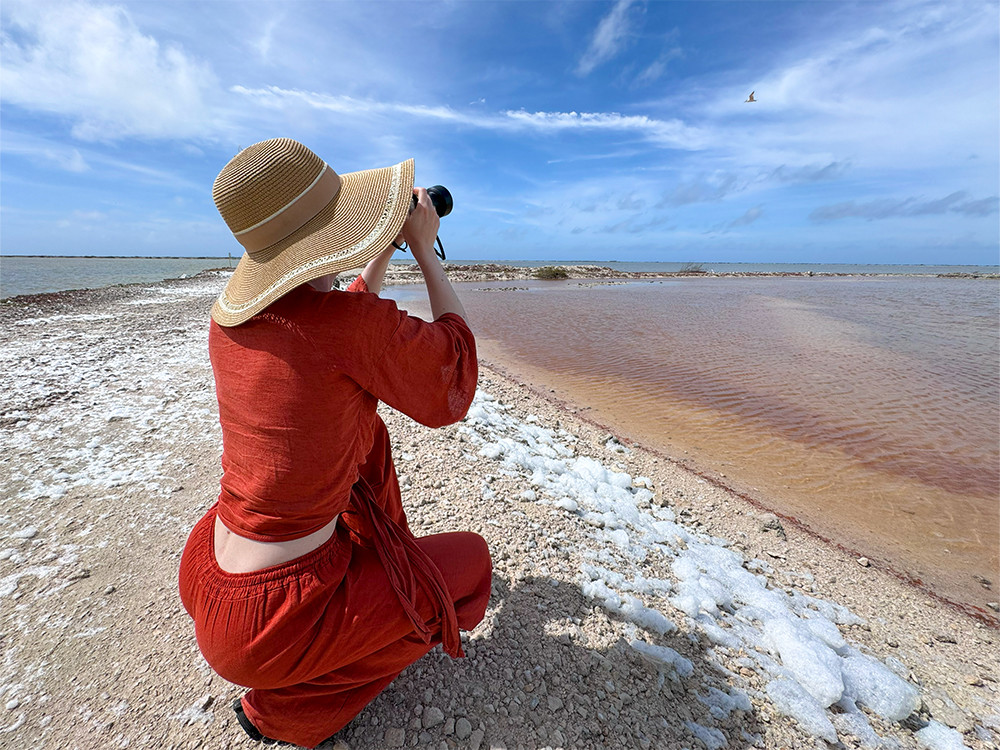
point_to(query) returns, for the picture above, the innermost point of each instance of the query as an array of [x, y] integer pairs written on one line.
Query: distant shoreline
[[532, 263], [401, 273]]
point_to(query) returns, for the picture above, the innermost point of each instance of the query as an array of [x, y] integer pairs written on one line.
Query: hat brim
[[365, 215]]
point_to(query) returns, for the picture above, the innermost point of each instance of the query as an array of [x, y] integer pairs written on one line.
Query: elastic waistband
[[201, 547]]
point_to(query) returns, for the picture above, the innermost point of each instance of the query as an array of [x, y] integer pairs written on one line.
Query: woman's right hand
[[421, 227]]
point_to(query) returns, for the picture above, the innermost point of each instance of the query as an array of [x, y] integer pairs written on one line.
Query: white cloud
[[668, 133], [652, 72], [276, 97], [266, 39], [91, 64], [609, 38], [751, 215], [47, 152]]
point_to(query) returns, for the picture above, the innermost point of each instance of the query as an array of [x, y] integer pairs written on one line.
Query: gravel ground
[[111, 453]]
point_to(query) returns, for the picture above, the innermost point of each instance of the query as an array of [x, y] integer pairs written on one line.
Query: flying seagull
[[750, 98]]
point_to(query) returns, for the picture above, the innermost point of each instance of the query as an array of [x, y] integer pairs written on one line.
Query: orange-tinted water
[[868, 408]]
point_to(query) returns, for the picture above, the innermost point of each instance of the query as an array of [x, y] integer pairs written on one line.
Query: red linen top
[[298, 385]]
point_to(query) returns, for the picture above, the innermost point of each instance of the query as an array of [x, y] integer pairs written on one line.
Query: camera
[[440, 197]]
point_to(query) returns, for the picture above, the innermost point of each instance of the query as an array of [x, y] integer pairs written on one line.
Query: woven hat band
[[293, 215]]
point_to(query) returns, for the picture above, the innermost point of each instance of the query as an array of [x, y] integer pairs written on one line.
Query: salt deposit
[[792, 639], [936, 736]]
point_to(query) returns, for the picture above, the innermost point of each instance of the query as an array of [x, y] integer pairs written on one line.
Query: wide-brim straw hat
[[298, 220]]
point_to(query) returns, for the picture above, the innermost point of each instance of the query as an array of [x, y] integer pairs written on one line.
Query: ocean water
[[867, 408], [35, 274]]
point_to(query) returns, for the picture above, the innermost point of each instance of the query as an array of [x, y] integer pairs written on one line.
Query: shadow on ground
[[533, 679]]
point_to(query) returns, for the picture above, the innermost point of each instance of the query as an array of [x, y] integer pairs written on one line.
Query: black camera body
[[441, 198]]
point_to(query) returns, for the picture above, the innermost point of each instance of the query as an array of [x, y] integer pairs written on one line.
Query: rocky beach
[[635, 603]]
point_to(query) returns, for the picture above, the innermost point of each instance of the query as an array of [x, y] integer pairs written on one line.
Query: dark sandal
[[248, 727]]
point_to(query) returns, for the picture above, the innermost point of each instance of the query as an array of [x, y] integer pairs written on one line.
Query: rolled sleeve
[[358, 285], [428, 371]]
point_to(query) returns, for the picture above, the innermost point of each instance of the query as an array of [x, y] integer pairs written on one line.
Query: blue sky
[[565, 130]]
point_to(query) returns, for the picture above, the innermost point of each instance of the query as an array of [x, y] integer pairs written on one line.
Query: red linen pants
[[318, 638]]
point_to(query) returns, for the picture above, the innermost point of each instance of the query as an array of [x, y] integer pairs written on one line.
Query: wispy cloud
[[42, 151], [673, 133], [832, 171], [652, 72], [751, 215], [889, 208], [609, 38], [668, 133], [63, 157], [266, 38]]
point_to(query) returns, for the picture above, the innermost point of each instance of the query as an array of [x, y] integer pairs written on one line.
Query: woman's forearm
[[374, 272], [439, 290]]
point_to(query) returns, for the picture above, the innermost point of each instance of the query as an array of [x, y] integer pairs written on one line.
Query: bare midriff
[[237, 554]]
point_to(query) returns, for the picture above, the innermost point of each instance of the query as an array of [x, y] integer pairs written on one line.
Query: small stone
[[995, 606], [205, 702], [476, 739], [463, 728], [864, 562], [449, 726], [945, 638], [432, 716], [554, 705], [109, 590], [973, 680], [891, 643], [29, 532], [12, 704], [395, 737]]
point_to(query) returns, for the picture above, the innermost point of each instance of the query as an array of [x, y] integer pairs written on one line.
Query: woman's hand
[[421, 227]]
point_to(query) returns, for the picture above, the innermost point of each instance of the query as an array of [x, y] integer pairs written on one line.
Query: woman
[[303, 580]]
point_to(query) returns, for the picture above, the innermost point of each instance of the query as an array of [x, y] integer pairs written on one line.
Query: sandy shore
[[634, 604]]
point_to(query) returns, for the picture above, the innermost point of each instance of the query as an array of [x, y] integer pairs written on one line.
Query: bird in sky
[[750, 98]]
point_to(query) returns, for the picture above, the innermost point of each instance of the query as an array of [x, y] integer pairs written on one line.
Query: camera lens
[[440, 197]]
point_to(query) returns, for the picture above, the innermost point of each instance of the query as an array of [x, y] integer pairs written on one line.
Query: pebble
[[555, 704], [476, 739], [432, 716], [463, 728], [863, 562], [395, 737], [995, 606], [29, 532], [12, 704]]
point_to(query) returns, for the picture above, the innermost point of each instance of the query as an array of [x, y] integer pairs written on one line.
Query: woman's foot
[[249, 728]]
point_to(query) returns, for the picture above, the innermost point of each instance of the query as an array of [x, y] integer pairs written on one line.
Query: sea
[[865, 406], [37, 274]]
